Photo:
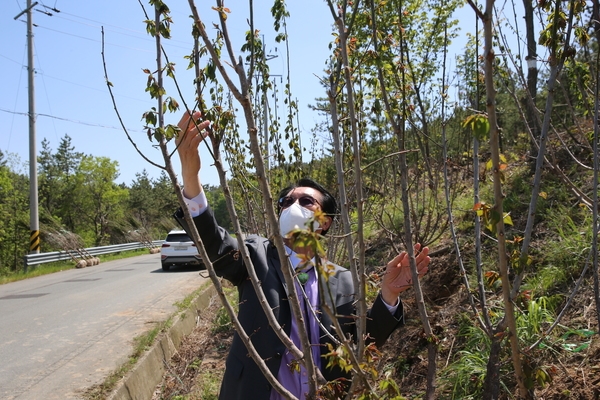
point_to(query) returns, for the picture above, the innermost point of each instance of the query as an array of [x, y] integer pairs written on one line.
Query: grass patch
[[222, 322], [464, 377], [42, 269], [184, 304], [210, 383], [50, 268]]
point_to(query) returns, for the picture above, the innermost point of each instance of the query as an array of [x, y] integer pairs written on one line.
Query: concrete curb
[[141, 382]]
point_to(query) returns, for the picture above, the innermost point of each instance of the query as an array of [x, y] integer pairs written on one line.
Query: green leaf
[[150, 27], [150, 118], [210, 71], [159, 133], [482, 127], [171, 131], [479, 125]]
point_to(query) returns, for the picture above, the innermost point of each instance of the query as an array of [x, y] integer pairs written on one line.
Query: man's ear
[[327, 223]]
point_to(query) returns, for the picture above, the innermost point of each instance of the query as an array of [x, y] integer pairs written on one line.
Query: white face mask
[[295, 217]]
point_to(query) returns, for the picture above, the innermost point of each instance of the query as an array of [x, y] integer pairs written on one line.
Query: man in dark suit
[[297, 205]]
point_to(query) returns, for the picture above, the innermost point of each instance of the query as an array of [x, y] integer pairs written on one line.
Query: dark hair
[[328, 203]]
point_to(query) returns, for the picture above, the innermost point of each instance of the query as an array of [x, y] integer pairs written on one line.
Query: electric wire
[[39, 62], [12, 120], [121, 31], [171, 43], [70, 120], [103, 90], [94, 40], [39, 72], [11, 60]]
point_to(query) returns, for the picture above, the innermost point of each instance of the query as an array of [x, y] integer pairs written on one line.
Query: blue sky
[[71, 96], [70, 91]]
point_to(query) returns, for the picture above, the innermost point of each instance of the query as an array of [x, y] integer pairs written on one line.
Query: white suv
[[178, 249]]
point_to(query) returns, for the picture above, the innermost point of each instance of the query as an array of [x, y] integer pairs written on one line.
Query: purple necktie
[[293, 380]]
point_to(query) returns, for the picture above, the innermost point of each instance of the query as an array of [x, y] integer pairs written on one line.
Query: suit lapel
[[275, 264], [332, 282]]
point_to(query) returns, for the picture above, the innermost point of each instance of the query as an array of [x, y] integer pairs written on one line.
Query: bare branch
[[109, 86]]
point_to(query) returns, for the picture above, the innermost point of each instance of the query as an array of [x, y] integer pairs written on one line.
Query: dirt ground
[[196, 370]]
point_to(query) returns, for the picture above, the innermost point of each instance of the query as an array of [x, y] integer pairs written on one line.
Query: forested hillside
[[489, 158], [80, 205]]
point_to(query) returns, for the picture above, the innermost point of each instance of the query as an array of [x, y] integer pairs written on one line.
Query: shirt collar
[[295, 260]]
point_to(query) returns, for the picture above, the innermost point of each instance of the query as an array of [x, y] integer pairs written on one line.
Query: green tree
[[99, 200], [14, 216], [142, 201], [216, 199], [165, 204], [67, 161], [49, 183]]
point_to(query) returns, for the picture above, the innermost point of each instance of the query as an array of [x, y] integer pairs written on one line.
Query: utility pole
[[34, 224]]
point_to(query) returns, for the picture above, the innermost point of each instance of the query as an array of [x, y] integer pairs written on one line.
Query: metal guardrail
[[41, 258]]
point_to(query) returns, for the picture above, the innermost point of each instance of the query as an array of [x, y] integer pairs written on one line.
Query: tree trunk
[[532, 80], [491, 384]]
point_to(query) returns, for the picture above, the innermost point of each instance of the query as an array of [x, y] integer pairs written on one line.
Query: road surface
[[64, 332]]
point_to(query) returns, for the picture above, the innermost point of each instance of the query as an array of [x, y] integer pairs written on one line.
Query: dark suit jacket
[[243, 379]]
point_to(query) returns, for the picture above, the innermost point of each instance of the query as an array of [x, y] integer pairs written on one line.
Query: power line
[[16, 99], [41, 73], [168, 43], [47, 98], [92, 40], [96, 89], [51, 8], [99, 24], [133, 33], [70, 120], [14, 61]]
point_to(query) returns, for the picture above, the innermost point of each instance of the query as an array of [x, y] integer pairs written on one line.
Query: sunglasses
[[305, 201]]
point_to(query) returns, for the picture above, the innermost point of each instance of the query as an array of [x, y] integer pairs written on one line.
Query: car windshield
[[178, 237]]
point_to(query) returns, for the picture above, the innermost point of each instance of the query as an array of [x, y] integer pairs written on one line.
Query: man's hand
[[398, 277], [190, 136]]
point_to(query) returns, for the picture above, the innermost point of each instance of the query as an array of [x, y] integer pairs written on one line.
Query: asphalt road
[[64, 332]]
